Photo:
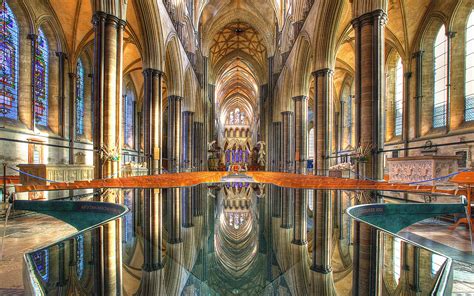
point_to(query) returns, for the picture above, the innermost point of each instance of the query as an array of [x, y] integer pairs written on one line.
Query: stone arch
[[55, 45], [426, 46], [150, 26], [189, 102], [302, 67], [173, 67], [329, 15]]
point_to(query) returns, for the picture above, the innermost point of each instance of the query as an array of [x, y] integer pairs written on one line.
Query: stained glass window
[[80, 99], [41, 79], [80, 255], [469, 86], [399, 98], [41, 261], [128, 118], [440, 51], [9, 60]]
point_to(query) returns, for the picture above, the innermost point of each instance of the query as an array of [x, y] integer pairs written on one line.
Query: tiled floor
[[24, 234]]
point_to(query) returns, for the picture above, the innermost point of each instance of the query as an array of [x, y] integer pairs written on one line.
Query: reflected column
[[174, 214], [152, 230], [322, 243]]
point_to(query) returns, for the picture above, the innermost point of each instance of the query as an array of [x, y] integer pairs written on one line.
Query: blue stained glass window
[[41, 261], [41, 79], [80, 99], [128, 119], [80, 255], [9, 62], [469, 68]]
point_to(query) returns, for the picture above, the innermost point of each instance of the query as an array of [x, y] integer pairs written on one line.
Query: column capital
[[72, 75], [322, 72], [300, 98], [369, 18], [188, 112], [417, 54], [61, 55], [287, 113], [321, 269], [32, 37], [152, 72], [174, 97], [408, 74], [451, 34]]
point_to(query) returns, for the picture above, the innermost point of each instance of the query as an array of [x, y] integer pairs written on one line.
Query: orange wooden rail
[[276, 178]]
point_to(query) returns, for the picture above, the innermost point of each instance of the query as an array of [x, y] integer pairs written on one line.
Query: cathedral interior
[[236, 147]]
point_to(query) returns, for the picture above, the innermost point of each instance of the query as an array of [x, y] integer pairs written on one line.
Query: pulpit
[[419, 168], [55, 172]]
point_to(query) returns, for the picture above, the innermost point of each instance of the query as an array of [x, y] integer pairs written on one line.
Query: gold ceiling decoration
[[238, 36]]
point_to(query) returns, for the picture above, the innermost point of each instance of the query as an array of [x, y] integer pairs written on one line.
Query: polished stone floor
[[24, 234]]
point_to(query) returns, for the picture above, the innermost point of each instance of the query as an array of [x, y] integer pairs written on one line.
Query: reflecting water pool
[[240, 239]]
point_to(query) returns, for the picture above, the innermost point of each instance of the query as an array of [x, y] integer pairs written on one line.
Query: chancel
[[236, 147]]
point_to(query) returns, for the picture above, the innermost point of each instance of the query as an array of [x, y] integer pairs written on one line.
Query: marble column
[[197, 146], [418, 56], [107, 63], [323, 79], [301, 133], [370, 91], [188, 140], [152, 230], [174, 134], [72, 115], [153, 120], [287, 147], [61, 96], [287, 141]]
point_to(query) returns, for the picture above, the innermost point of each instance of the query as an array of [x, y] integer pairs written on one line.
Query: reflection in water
[[237, 238]]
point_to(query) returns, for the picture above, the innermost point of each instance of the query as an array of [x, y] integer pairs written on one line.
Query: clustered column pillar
[[188, 140], [301, 140], [107, 62], [174, 134], [152, 120], [276, 165], [287, 147], [370, 90], [322, 204]]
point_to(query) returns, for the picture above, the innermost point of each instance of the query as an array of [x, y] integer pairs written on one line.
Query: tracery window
[[80, 255], [469, 73], [397, 250], [9, 62], [128, 120], [41, 82], [440, 78], [399, 98], [80, 99]]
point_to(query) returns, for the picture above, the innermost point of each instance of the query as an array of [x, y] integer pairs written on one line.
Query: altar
[[55, 172], [419, 168]]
